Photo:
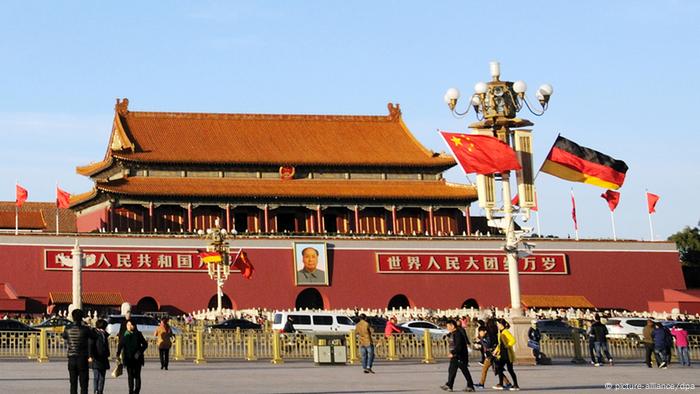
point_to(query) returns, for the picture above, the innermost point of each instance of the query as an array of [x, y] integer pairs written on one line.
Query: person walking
[[660, 340], [164, 340], [289, 326], [366, 344], [391, 328], [133, 345], [98, 355], [77, 336], [648, 341], [600, 342], [459, 356], [505, 355], [487, 345], [534, 337], [681, 337]]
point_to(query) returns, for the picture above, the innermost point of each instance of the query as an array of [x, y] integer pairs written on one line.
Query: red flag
[[62, 198], [612, 197], [243, 264], [573, 210], [22, 195], [481, 154], [652, 199]]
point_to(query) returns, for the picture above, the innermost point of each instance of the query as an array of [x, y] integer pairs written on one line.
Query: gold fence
[[200, 345]]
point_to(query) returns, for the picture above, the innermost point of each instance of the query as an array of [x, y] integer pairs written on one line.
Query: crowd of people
[[485, 331], [88, 348]]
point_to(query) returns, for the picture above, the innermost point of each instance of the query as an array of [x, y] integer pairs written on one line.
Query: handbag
[[118, 370]]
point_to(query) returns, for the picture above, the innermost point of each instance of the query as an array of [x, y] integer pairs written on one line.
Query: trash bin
[[330, 349]]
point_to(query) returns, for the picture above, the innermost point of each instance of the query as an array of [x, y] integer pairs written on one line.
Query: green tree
[[688, 243]]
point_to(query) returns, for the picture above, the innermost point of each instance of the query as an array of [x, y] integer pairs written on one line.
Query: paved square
[[305, 377]]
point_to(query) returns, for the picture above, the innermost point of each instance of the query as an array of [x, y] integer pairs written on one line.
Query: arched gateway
[[309, 299]]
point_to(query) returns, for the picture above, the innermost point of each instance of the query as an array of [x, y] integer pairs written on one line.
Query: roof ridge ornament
[[122, 106], [394, 111]]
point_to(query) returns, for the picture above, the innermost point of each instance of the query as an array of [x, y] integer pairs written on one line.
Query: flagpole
[[16, 210], [537, 216], [56, 208], [612, 220]]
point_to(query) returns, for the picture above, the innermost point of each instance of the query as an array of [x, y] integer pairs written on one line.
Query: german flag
[[573, 162]]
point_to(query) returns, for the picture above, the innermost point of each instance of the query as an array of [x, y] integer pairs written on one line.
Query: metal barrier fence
[[198, 346]]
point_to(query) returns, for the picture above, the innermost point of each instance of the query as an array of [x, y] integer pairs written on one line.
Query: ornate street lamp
[[219, 268], [496, 104]]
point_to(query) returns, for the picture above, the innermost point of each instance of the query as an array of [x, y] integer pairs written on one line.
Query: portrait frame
[[322, 263]]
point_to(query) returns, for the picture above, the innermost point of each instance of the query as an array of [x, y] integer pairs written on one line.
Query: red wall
[[93, 221], [624, 279]]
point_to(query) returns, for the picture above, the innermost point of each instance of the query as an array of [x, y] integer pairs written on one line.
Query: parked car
[[693, 327], [556, 328], [55, 324], [232, 324], [314, 322], [146, 324], [14, 325], [626, 327], [418, 327]]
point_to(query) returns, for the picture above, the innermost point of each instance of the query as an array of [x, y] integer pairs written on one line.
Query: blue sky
[[624, 76]]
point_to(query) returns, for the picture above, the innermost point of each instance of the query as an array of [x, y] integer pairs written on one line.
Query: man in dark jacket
[[459, 357], [600, 337], [99, 355], [77, 336]]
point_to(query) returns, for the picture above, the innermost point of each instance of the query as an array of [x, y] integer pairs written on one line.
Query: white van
[[322, 323]]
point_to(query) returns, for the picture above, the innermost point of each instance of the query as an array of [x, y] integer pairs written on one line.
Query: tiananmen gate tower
[[387, 228]]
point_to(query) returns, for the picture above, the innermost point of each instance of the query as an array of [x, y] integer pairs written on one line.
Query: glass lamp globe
[[480, 88], [519, 87], [546, 89]]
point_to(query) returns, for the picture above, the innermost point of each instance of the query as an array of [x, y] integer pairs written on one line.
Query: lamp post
[[221, 269], [496, 104]]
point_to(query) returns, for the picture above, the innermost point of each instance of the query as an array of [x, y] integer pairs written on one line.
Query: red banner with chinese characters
[[164, 260], [467, 263]]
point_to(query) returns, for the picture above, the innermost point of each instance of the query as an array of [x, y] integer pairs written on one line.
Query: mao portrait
[[310, 264]]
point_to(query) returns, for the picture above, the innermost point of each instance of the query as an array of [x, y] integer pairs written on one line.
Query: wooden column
[[228, 218], [468, 219], [357, 219], [110, 213], [189, 217], [266, 213], [312, 221], [431, 224], [321, 228], [150, 216], [393, 219]]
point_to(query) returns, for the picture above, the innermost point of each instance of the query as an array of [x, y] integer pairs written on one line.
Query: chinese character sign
[[472, 263], [131, 260]]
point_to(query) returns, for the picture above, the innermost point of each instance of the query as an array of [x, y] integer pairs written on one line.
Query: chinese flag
[[243, 264], [612, 197], [481, 154], [22, 195], [652, 199], [62, 198]]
